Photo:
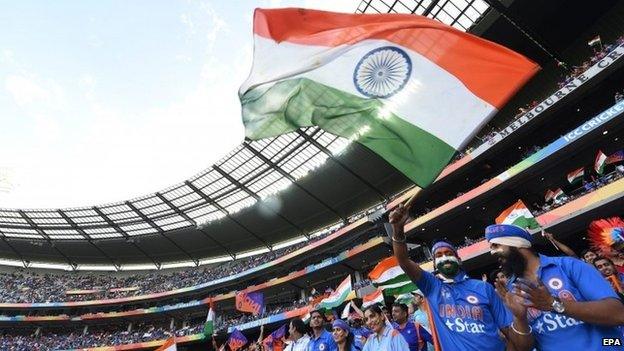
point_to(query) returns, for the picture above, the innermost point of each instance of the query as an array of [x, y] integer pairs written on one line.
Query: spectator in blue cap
[[467, 314], [570, 306], [344, 339]]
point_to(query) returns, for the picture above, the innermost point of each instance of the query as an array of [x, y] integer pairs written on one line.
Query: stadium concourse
[[291, 217]]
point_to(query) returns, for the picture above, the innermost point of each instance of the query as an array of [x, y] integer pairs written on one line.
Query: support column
[[85, 330], [304, 296], [358, 276], [129, 327], [172, 323], [38, 331]]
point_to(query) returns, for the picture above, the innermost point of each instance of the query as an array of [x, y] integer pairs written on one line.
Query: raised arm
[[561, 246], [398, 217]]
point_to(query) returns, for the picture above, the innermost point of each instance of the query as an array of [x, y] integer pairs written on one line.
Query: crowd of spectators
[[24, 286], [118, 334], [570, 73], [98, 337], [27, 286], [587, 187]]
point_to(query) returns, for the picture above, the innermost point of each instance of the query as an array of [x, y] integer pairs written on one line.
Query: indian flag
[[404, 298], [519, 215], [409, 88], [594, 41], [169, 345], [558, 193], [576, 175], [390, 277], [375, 297], [549, 195], [209, 326], [339, 295], [599, 163]]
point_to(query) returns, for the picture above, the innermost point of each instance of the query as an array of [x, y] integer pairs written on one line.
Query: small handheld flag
[[600, 162], [169, 345], [576, 176], [519, 215], [236, 340]]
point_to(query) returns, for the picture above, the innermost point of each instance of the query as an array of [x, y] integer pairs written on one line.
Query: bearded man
[[467, 314], [571, 307]]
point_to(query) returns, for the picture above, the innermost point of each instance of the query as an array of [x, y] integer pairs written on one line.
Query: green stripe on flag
[[528, 223], [401, 289], [296, 103], [398, 279]]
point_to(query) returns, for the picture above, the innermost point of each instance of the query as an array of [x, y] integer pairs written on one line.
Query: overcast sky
[[102, 101]]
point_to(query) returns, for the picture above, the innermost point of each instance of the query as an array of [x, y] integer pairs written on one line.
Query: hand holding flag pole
[[550, 238]]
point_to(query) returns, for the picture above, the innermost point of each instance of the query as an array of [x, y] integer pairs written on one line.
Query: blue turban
[[507, 234]]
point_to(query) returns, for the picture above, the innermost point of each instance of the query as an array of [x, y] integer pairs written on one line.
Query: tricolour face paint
[[447, 265]]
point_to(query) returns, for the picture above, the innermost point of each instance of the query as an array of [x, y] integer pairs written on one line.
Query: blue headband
[[440, 244], [339, 323]]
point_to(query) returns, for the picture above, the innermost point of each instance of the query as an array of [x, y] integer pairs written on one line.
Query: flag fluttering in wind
[[600, 162], [557, 194], [549, 196], [375, 297], [404, 298], [236, 340], [519, 215], [374, 79], [595, 41], [346, 310], [576, 176], [169, 345], [252, 302], [275, 337], [390, 277], [339, 295], [209, 325]]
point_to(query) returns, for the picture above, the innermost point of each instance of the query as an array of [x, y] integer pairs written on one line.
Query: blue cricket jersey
[[325, 342], [415, 335], [360, 335], [570, 279], [467, 313]]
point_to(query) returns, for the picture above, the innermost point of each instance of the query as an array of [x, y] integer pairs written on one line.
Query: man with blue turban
[[570, 306], [467, 314]]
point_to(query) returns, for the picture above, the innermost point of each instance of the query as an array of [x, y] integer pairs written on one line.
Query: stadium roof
[[226, 209], [461, 14]]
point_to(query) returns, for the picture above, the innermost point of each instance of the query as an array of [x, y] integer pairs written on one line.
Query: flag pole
[[410, 202], [551, 241]]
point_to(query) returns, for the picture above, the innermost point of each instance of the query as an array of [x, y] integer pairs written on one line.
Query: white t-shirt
[[300, 345]]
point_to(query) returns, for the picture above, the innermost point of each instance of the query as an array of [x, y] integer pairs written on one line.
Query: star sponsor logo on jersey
[[322, 347], [550, 322], [555, 283], [458, 325]]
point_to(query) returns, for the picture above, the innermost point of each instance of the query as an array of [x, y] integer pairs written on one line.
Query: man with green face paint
[[466, 314]]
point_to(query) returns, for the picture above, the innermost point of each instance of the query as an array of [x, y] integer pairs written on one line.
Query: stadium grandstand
[[288, 218]]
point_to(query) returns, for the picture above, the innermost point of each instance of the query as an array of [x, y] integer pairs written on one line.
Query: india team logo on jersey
[[555, 283], [472, 299]]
